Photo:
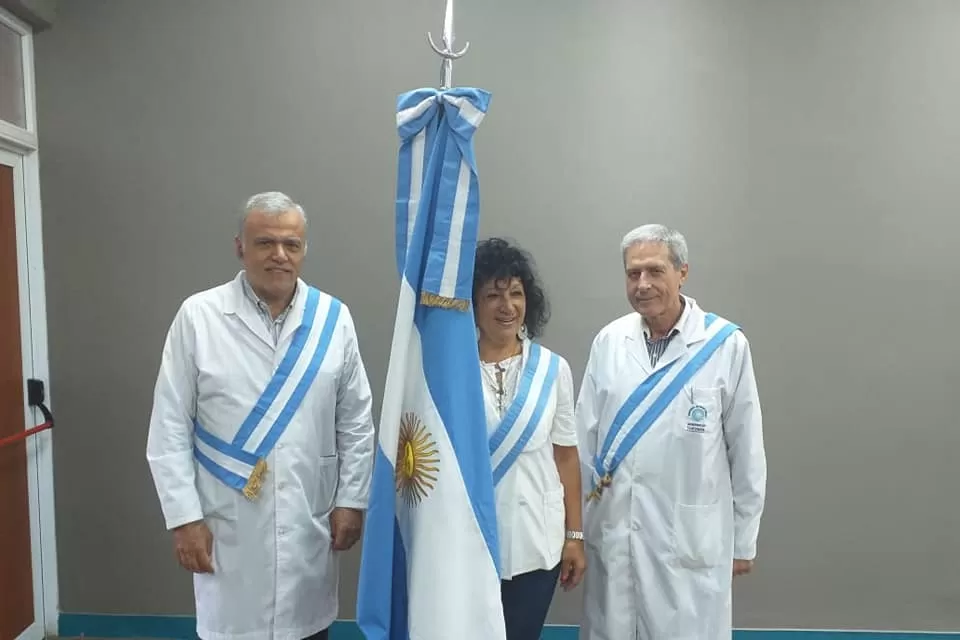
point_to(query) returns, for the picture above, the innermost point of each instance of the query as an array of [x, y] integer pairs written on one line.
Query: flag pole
[[447, 52]]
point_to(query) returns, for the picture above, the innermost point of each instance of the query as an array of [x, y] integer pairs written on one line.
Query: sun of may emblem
[[417, 459]]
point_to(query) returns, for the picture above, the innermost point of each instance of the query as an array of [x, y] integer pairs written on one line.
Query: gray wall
[[808, 149]]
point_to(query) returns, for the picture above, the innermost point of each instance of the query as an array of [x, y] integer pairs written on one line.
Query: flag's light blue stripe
[[400, 605], [665, 398], [443, 198], [226, 448], [300, 392], [708, 319], [382, 589], [520, 399], [225, 476], [518, 446], [457, 393], [105, 625], [282, 372], [423, 228]]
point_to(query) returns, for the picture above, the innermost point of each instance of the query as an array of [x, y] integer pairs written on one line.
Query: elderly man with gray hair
[[261, 438], [671, 444]]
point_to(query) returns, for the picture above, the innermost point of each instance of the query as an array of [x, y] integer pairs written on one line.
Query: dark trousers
[[526, 599], [321, 635]]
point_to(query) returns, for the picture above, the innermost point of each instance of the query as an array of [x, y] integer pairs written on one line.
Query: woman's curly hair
[[498, 260]]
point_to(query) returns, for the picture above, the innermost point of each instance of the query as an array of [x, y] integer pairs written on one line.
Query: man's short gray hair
[[272, 203], [660, 234]]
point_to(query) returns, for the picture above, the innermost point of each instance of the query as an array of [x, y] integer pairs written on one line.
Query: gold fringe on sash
[[255, 483], [428, 299]]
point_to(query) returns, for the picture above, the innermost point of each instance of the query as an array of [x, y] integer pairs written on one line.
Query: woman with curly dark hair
[[528, 393]]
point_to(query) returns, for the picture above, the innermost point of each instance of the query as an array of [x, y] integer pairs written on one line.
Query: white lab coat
[[275, 574], [684, 502], [531, 517]]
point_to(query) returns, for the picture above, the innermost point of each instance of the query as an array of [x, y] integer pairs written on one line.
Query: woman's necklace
[[499, 390], [498, 387]]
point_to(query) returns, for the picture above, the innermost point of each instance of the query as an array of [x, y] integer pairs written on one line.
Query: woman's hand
[[573, 564]]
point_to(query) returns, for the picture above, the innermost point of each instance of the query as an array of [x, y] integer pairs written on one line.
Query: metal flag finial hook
[[447, 53]]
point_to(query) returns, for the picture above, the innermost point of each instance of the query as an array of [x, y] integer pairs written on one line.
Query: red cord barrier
[[26, 434]]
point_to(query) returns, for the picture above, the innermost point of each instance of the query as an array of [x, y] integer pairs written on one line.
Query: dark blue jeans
[[526, 599]]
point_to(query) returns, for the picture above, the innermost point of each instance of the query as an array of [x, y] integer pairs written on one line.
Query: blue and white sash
[[650, 399], [526, 412], [241, 463]]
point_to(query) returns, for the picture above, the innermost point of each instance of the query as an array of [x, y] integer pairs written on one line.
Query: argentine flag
[[430, 564]]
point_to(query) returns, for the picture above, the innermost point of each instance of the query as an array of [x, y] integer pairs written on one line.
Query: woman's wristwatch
[[574, 535]]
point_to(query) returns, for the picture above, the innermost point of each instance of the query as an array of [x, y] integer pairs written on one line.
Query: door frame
[[21, 146]]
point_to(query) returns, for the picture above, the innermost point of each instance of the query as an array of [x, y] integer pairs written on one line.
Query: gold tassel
[[605, 482], [252, 488], [428, 299]]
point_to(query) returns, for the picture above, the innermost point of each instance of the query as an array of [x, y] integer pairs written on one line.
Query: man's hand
[[345, 527], [573, 564], [193, 544], [742, 567]]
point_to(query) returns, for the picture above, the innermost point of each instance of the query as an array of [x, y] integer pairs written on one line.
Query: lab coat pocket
[[701, 409], [325, 486], [698, 535]]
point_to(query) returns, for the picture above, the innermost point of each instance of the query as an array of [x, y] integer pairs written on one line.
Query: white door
[[28, 573]]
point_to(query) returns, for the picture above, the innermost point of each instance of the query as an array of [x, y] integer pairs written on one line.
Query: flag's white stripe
[[290, 384], [467, 111], [655, 393], [223, 460], [411, 113], [536, 389], [391, 410], [417, 158], [451, 266], [442, 537]]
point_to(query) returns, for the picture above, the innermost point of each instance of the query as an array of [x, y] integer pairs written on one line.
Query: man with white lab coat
[[261, 438], [670, 431]]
